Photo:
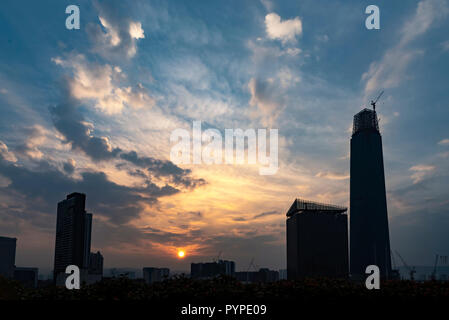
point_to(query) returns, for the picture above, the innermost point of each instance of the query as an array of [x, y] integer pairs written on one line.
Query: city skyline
[[92, 110]]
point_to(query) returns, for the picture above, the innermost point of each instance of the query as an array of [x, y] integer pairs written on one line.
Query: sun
[[181, 253]]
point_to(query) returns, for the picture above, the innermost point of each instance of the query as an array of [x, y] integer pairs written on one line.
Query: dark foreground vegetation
[[226, 289]]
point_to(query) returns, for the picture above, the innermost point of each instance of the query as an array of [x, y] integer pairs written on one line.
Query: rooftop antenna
[[373, 103]]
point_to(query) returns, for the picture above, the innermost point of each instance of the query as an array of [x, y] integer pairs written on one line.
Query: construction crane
[[433, 276], [217, 259], [373, 103], [394, 272], [394, 261], [412, 270], [251, 264]]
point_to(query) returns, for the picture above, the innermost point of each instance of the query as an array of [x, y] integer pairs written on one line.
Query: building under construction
[[370, 241], [317, 240]]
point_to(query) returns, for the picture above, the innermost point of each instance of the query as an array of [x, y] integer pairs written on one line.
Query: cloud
[[422, 167], [445, 45], [268, 5], [101, 84], [263, 95], [6, 154], [46, 185], [71, 124], [444, 142], [69, 166], [36, 136], [332, 176], [115, 37], [163, 168], [390, 70], [286, 30], [264, 214], [287, 78], [135, 30], [421, 171]]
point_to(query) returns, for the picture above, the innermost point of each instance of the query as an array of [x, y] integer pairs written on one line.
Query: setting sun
[[181, 254]]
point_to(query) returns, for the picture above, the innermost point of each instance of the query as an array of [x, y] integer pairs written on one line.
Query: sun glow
[[181, 254]]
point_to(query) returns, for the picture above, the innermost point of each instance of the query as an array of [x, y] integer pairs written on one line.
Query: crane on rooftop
[[373, 103]]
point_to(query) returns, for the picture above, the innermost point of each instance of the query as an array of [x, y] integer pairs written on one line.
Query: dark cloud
[[69, 166], [69, 121], [42, 188], [163, 168], [264, 214], [427, 193], [193, 214]]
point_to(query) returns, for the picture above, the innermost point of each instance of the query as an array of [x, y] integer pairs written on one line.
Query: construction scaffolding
[[365, 120], [301, 205]]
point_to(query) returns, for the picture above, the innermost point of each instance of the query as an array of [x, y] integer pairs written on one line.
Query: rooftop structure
[[301, 205]]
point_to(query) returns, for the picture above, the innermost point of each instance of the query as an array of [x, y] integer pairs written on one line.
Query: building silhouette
[[151, 275], [7, 256], [263, 275], [27, 276], [96, 261], [73, 234], [317, 240], [212, 269], [369, 235]]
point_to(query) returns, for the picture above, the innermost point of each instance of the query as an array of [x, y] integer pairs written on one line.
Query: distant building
[[283, 274], [317, 240], [7, 256], [370, 240], [151, 275], [263, 275], [96, 263], [122, 273], [27, 276], [73, 235], [212, 269]]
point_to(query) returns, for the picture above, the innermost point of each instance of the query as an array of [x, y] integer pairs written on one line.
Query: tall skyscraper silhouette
[[369, 235], [73, 234]]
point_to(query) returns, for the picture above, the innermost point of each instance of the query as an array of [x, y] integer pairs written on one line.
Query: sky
[[92, 110]]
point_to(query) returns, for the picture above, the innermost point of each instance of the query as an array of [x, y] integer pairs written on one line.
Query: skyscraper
[[7, 256], [369, 235], [73, 234], [317, 240]]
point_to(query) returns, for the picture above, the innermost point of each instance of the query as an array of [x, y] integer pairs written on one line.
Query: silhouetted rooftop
[[301, 205], [365, 120]]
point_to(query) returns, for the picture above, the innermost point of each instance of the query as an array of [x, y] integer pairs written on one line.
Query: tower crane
[[373, 103], [251, 264], [412, 270], [217, 259], [433, 276]]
